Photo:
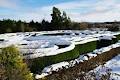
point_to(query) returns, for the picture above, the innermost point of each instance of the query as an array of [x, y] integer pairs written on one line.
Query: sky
[[77, 10]]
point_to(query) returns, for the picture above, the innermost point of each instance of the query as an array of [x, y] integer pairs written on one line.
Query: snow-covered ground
[[55, 67], [36, 44], [110, 69]]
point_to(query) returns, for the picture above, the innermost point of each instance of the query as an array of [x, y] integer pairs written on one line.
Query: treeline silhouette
[[60, 21], [8, 25]]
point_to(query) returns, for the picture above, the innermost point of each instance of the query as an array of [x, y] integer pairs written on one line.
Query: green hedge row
[[105, 43], [118, 37], [39, 63]]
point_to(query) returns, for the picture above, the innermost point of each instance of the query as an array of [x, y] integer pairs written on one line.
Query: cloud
[[97, 16], [101, 11], [8, 4], [63, 6], [78, 10]]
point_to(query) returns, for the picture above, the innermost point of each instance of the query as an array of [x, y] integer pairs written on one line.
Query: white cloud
[[101, 10], [8, 4], [68, 5], [96, 16], [104, 10]]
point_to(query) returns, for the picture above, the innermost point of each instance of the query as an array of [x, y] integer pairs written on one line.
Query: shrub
[[12, 66]]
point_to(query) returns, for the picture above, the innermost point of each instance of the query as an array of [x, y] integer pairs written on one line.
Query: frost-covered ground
[[37, 44], [56, 67], [109, 71], [46, 45]]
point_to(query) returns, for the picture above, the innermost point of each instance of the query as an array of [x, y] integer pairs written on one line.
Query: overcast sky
[[77, 10]]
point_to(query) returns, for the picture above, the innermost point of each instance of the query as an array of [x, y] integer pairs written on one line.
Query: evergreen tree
[[64, 20], [43, 23], [56, 18], [46, 25], [18, 24], [12, 66]]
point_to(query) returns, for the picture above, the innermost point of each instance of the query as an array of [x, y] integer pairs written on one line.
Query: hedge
[[118, 36], [37, 64], [76, 71], [105, 43]]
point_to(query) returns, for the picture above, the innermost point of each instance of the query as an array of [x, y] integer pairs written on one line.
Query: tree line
[[59, 21]]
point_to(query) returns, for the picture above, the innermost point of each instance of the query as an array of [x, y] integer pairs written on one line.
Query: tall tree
[[66, 21], [46, 25], [56, 18]]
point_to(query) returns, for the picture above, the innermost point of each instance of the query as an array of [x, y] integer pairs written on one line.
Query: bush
[[12, 66]]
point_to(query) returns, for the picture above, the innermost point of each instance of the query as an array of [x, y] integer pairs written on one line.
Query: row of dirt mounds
[[79, 70]]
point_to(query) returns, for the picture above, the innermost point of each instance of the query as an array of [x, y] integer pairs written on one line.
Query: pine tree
[[56, 18]]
